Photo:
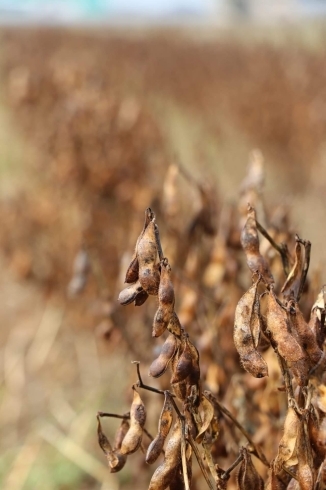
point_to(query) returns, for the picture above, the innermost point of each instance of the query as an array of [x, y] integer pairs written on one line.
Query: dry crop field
[[96, 128]]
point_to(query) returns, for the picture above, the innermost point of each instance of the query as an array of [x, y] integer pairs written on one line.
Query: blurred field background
[[90, 121]]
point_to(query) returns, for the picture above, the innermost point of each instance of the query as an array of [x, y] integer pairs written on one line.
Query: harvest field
[[96, 127]]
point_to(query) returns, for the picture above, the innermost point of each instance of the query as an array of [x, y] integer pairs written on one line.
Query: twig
[[183, 454], [114, 415], [281, 249], [257, 451], [227, 472], [307, 248], [140, 383]]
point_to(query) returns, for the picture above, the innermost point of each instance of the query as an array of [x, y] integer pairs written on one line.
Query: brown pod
[[183, 367], [149, 276], [130, 293], [118, 462], [165, 290], [180, 390], [250, 244], [166, 472], [178, 480], [154, 449], [247, 477], [133, 437], [132, 273], [317, 434], [161, 321], [164, 426], [287, 346], [165, 300], [306, 336], [250, 358], [174, 325], [141, 298], [121, 433], [160, 365], [115, 459]]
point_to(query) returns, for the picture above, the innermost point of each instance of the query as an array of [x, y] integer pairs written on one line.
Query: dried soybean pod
[[180, 390], [247, 477], [174, 325], [132, 273], [305, 334], [133, 437], [120, 434], [166, 472], [250, 358], [165, 299], [287, 346], [154, 449], [250, 244], [164, 426], [160, 365], [178, 480], [292, 283], [141, 298], [149, 276], [183, 367], [130, 293], [115, 459]]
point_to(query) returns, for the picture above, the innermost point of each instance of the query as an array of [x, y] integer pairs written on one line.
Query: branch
[[281, 249]]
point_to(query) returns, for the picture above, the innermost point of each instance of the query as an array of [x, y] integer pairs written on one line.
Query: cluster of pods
[[298, 345], [267, 316]]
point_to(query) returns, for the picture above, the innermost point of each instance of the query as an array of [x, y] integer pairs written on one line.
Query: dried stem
[[307, 248], [227, 472], [125, 416], [281, 249]]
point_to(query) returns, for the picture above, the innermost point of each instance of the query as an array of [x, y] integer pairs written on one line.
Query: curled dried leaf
[[287, 449], [207, 410]]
